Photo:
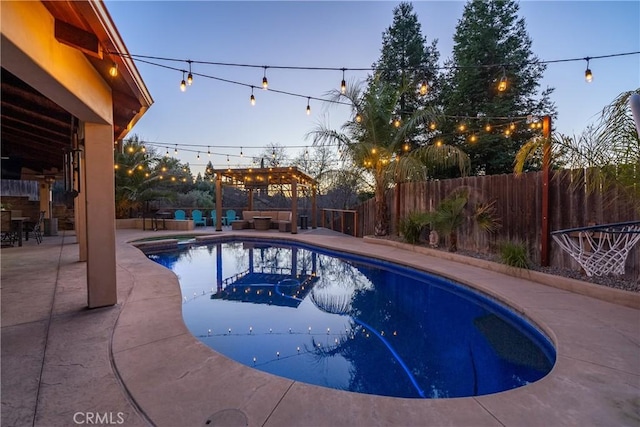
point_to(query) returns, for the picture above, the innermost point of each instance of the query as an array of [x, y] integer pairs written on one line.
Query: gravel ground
[[611, 281]]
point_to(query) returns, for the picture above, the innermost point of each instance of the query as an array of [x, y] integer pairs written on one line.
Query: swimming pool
[[346, 322]]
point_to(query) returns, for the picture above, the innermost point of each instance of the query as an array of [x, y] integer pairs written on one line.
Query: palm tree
[[376, 141], [609, 152]]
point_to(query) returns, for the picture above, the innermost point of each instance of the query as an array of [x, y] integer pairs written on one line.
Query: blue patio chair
[[214, 217], [196, 215], [231, 216], [179, 214]]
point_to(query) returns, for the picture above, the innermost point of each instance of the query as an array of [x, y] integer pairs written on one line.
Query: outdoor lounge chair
[[196, 215], [231, 216], [214, 217], [179, 214]]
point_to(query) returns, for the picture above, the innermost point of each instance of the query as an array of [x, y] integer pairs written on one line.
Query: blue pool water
[[350, 323]]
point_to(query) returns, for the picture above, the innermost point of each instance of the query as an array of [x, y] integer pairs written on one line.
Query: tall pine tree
[[406, 63], [490, 42]]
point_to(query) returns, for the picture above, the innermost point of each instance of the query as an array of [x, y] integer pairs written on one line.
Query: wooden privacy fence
[[518, 203]]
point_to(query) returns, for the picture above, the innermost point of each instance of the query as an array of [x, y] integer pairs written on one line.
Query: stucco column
[[80, 213], [100, 215], [44, 192]]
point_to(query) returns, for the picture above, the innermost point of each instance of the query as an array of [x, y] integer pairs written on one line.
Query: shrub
[[411, 226], [514, 253]]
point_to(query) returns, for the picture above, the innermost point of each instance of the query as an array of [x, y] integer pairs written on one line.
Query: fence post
[[546, 164]]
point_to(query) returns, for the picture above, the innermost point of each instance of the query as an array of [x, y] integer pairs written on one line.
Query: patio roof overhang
[[262, 178], [35, 128]]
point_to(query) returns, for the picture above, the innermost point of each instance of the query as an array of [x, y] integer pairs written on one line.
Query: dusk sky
[[216, 116]]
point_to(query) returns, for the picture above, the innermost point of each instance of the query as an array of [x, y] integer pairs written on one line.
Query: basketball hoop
[[600, 249]]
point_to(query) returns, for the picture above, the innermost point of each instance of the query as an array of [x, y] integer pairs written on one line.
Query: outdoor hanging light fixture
[[343, 84], [308, 106], [502, 84], [189, 76], [183, 84], [358, 118], [424, 88], [113, 71], [253, 98], [265, 82], [588, 75]]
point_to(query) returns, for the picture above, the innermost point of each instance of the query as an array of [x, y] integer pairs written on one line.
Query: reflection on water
[[352, 324]]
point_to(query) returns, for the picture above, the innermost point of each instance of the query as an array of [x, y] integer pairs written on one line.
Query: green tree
[[135, 180], [374, 144], [491, 43], [407, 62], [608, 151]]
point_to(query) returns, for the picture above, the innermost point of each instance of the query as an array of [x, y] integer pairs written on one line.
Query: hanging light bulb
[[588, 75], [265, 82], [273, 153], [175, 151], [189, 76], [308, 106], [113, 71], [473, 138], [512, 126], [433, 126], [462, 127], [487, 127], [396, 122], [198, 156], [183, 84], [343, 84], [209, 151], [167, 153], [424, 88], [502, 84], [358, 118], [406, 147], [241, 155], [143, 149], [253, 98]]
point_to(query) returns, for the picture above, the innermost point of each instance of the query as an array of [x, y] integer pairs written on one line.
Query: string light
[[343, 83], [253, 98], [208, 151], [113, 71], [198, 156], [502, 85], [588, 75], [308, 106], [183, 84], [396, 122], [265, 82], [487, 127], [189, 76], [432, 126], [241, 155], [176, 150], [358, 118], [424, 88]]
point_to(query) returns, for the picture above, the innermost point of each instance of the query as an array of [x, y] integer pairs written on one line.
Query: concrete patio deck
[[136, 364]]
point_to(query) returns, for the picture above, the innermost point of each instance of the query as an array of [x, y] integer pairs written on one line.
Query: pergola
[[261, 179]]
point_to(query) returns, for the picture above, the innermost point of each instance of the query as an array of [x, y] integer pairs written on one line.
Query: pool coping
[[174, 379]]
